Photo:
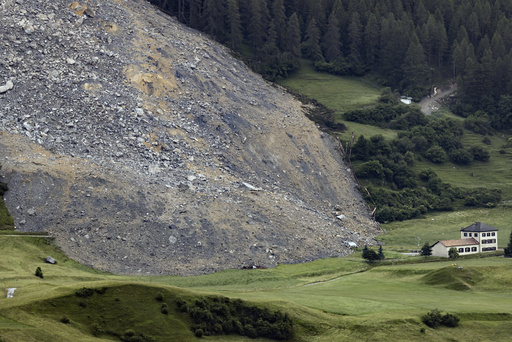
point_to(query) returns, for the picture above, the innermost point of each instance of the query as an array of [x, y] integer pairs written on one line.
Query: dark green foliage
[[426, 250], [478, 123], [479, 153], [84, 292], [39, 272], [220, 315], [130, 336], [461, 156], [65, 320], [436, 154], [164, 309], [449, 320], [198, 333], [369, 254], [508, 249], [381, 254], [453, 253], [434, 319], [159, 297]]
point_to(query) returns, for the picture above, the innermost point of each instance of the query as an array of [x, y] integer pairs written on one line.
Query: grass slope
[[342, 299], [344, 94]]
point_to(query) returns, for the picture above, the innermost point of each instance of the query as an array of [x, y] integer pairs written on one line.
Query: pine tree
[[426, 250], [292, 52], [255, 27], [312, 43], [234, 25], [371, 37], [369, 254], [355, 33], [508, 249], [416, 72], [279, 18], [381, 254], [331, 41]]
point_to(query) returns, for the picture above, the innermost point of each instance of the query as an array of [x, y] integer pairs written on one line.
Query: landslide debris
[[143, 147]]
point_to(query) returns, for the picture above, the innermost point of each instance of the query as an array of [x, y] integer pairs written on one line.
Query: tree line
[[406, 42]]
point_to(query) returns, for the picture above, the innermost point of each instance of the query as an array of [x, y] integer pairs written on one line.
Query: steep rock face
[[144, 147]]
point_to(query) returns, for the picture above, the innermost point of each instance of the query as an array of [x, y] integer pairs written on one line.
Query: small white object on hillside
[[10, 292]]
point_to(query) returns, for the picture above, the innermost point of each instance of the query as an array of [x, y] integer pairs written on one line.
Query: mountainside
[[144, 147]]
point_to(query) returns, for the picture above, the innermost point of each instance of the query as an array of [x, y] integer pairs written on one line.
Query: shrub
[[199, 333], [453, 253], [159, 297], [461, 156], [39, 272], [450, 320], [434, 319], [479, 153], [163, 309], [65, 320], [436, 155], [369, 254], [84, 292]]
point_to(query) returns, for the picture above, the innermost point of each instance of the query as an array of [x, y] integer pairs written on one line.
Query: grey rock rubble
[[144, 148]]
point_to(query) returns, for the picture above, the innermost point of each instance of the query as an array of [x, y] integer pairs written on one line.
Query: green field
[[335, 92], [342, 299]]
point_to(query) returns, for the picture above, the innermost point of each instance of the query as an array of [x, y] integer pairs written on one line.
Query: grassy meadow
[[342, 299]]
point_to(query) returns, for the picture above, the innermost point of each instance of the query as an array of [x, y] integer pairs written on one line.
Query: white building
[[475, 238]]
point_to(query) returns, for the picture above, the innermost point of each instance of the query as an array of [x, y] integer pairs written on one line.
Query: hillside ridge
[[143, 147]]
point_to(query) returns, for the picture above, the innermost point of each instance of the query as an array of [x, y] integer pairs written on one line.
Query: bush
[[159, 297], [434, 319], [199, 333], [84, 292], [453, 253], [461, 156], [436, 154], [450, 320], [39, 272], [163, 309], [479, 153], [65, 320]]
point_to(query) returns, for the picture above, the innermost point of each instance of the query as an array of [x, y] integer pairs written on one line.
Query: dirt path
[[432, 103]]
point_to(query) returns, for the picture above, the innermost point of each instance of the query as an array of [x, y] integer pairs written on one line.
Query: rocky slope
[[144, 147]]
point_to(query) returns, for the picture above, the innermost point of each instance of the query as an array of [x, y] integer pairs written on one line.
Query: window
[[476, 234], [484, 241], [467, 249], [469, 234], [493, 234], [473, 249], [488, 234], [461, 250], [465, 234], [493, 240]]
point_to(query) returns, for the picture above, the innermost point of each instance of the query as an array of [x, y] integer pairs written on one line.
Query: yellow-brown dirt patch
[[78, 8], [150, 84]]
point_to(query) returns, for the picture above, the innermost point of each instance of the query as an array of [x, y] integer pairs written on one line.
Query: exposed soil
[[434, 102]]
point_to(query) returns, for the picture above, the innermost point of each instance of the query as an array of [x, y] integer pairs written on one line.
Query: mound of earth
[[143, 147]]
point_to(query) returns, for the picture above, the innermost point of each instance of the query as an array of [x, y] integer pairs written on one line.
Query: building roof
[[479, 227], [459, 242]]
